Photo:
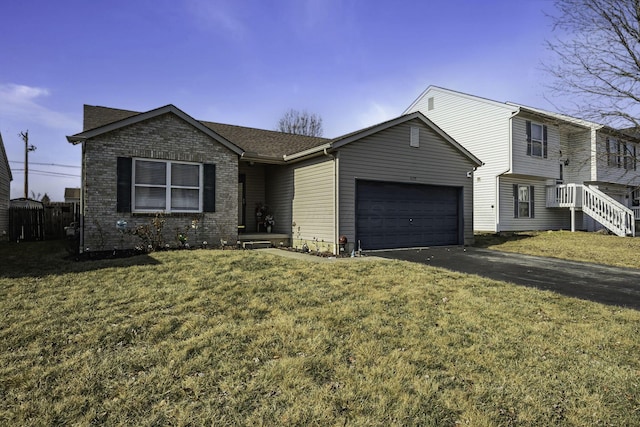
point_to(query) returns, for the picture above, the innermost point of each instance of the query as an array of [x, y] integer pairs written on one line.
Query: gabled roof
[[5, 159], [139, 117], [431, 88], [250, 143], [260, 143], [341, 141]]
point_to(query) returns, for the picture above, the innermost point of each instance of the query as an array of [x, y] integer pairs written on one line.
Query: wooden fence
[[41, 223]]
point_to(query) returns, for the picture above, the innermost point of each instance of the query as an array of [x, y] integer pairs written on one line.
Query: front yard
[[209, 337], [578, 246]]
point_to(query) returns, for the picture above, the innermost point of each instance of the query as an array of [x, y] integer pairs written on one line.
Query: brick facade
[[165, 137]]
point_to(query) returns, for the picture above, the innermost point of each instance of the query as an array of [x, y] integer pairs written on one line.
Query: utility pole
[[27, 148]]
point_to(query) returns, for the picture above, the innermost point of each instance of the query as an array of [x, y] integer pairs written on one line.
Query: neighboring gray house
[[542, 170], [5, 192], [401, 183]]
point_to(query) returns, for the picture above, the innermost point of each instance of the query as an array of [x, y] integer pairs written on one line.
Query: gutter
[[307, 153]]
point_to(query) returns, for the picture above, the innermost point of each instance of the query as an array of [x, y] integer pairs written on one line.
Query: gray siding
[[164, 137], [279, 194], [482, 127], [387, 156], [5, 193], [544, 218], [254, 192], [313, 204]]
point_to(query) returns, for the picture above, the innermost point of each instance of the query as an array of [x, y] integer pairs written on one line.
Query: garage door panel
[[394, 215]]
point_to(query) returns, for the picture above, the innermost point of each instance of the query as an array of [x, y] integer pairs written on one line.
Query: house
[[5, 192], [543, 170], [401, 183]]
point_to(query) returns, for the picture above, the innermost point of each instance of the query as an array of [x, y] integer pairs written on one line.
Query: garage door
[[394, 215]]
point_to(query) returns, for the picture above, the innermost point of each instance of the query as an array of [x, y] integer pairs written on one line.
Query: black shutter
[[209, 190], [544, 142], [123, 178], [515, 201], [532, 202], [528, 138]]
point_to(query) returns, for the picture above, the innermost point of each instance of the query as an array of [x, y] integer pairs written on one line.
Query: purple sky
[[353, 62]]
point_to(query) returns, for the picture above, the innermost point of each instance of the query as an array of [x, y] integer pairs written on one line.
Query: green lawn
[[209, 337], [578, 246]]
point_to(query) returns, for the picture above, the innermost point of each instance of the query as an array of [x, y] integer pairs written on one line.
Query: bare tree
[[597, 67], [300, 123]]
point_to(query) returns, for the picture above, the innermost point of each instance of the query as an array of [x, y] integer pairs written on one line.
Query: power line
[[46, 173], [48, 164]]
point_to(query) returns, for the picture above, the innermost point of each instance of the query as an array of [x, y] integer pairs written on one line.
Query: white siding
[[524, 164], [577, 149], [544, 218], [612, 173], [482, 127], [313, 207], [388, 156]]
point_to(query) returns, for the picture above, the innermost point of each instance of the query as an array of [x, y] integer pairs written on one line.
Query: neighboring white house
[[5, 184], [542, 170]]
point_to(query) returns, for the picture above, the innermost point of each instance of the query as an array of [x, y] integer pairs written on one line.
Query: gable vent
[[430, 103], [415, 137]]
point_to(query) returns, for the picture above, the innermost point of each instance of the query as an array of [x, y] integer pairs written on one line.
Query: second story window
[[621, 154], [536, 140]]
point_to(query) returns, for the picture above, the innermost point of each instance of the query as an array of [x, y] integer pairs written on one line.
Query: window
[[523, 201], [166, 186], [621, 154], [613, 152], [146, 185], [536, 140], [630, 159], [414, 140]]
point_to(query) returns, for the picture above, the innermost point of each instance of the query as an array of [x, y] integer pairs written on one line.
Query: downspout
[[83, 186], [336, 201], [509, 169]]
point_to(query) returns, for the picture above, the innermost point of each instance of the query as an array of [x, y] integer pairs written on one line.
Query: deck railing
[[604, 209]]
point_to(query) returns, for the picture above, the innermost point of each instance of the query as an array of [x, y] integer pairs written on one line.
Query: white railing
[[562, 196], [608, 212], [636, 212], [604, 209]]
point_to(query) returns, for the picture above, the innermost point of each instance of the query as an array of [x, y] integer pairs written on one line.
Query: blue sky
[[353, 62]]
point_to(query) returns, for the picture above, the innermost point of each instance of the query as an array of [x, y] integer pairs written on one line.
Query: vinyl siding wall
[[544, 218], [482, 127], [5, 185], [254, 192], [612, 173], [524, 164], [313, 204], [279, 194], [387, 156]]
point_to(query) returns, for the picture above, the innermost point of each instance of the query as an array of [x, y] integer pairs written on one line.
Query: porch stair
[[614, 216]]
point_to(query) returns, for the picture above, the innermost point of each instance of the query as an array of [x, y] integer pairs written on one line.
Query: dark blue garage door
[[394, 215]]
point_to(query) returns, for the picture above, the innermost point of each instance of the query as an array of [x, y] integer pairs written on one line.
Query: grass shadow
[[486, 240], [37, 259]]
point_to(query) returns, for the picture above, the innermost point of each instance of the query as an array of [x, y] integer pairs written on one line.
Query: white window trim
[[539, 142], [528, 202], [168, 187]]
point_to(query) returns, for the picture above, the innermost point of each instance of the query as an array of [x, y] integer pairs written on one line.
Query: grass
[[210, 337], [579, 246]]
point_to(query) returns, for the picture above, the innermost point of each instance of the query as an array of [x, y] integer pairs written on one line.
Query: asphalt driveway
[[607, 285]]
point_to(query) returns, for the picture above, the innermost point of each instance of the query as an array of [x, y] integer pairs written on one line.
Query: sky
[[354, 63]]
